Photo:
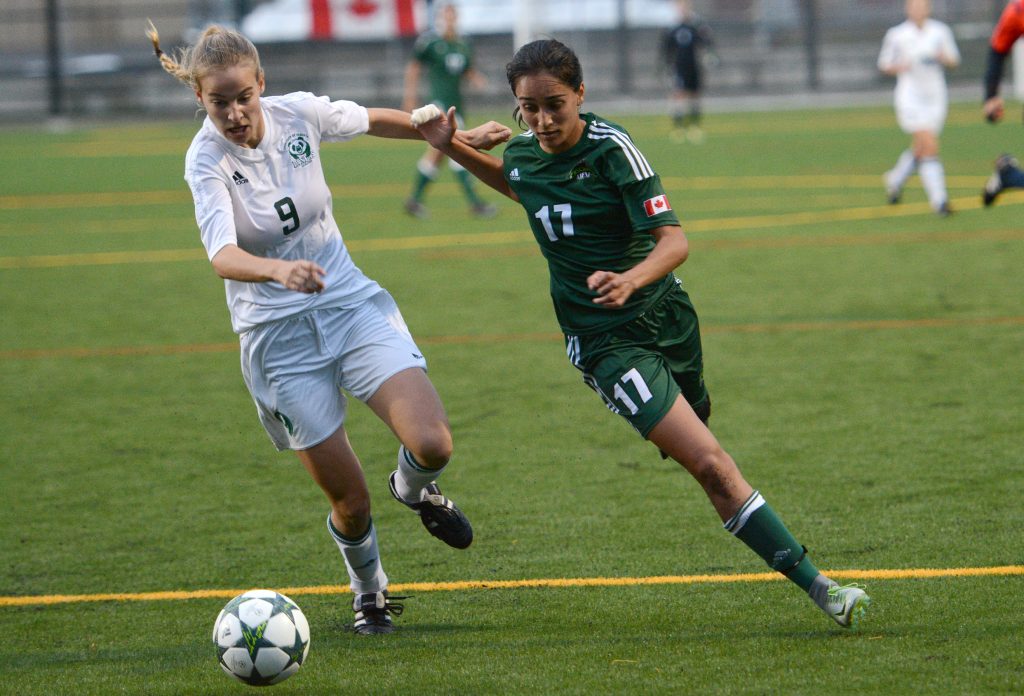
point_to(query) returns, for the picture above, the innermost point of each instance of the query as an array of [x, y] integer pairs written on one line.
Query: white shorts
[[296, 368], [915, 115]]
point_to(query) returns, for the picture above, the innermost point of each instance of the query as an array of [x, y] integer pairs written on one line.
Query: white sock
[[427, 168], [362, 559], [412, 476], [901, 171], [933, 177]]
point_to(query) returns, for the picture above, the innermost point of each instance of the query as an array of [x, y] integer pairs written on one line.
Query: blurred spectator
[[684, 47]]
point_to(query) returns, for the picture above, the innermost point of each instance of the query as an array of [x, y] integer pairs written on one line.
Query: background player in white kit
[[309, 322], [917, 52]]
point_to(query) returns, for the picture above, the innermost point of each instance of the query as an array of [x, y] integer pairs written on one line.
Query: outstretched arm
[[439, 133], [392, 123]]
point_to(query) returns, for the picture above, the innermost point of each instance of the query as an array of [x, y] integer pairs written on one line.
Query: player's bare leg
[[335, 467], [933, 176], [411, 407], [683, 436], [426, 173]]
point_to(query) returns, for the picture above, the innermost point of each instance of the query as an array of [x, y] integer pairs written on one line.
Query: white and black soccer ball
[[262, 637]]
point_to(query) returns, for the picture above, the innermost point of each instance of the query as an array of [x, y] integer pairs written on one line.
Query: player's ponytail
[[217, 47]]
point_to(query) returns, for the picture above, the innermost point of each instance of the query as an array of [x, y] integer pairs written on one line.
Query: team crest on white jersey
[[298, 149]]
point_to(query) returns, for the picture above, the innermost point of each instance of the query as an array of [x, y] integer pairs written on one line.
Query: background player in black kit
[[683, 46]]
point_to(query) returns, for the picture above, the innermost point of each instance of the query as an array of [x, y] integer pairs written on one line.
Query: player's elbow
[[676, 245], [683, 251], [224, 261]]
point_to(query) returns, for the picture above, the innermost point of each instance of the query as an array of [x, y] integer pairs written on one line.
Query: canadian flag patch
[[658, 204]]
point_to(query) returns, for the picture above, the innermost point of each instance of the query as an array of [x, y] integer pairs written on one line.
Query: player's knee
[[713, 468], [434, 448]]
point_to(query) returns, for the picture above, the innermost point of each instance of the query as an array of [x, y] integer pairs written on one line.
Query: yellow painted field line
[[674, 184], [466, 339], [498, 238], [197, 253], [878, 574]]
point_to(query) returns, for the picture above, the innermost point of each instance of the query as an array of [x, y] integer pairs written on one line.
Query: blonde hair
[[217, 47]]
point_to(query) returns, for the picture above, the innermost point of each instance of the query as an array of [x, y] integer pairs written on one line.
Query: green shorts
[[641, 367]]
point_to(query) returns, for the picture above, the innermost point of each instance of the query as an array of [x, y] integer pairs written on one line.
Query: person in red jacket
[[1010, 27]]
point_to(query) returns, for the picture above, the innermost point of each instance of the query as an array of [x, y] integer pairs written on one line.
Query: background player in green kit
[[612, 241], [447, 60]]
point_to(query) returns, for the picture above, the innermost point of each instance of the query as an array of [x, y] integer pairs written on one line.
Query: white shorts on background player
[[920, 98], [296, 367]]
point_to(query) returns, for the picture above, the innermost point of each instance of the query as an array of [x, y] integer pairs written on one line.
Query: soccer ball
[[261, 637]]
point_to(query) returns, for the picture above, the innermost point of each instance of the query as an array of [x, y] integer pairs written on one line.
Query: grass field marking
[[103, 258], [120, 199], [468, 339], [879, 212], [94, 199], [118, 225], [455, 241], [800, 182], [700, 243], [674, 184], [877, 574]]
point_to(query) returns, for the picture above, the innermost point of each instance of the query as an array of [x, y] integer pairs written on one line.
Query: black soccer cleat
[[439, 515], [373, 612], [994, 186]]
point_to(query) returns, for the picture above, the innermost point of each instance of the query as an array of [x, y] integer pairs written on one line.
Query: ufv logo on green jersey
[[580, 171]]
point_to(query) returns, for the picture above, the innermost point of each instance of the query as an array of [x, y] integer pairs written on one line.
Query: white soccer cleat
[[425, 114], [893, 193], [846, 604]]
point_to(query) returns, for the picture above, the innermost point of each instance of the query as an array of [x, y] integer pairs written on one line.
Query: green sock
[[757, 526], [420, 185], [467, 185]]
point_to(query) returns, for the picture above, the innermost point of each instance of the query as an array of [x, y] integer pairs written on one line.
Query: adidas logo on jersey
[[238, 178], [514, 174]]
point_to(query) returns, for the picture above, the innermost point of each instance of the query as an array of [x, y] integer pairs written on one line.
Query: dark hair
[[545, 55]]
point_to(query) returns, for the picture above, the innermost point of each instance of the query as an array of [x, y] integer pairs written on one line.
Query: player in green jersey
[[612, 242], [447, 60]]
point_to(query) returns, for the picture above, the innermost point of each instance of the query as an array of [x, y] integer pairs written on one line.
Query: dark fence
[[91, 58]]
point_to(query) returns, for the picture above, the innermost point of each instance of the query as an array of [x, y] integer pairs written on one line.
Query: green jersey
[[591, 208], [446, 62]]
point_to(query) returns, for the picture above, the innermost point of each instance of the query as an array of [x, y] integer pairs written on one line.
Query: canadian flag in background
[[658, 204], [354, 19]]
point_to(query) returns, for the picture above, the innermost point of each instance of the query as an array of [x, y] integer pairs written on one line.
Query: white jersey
[[273, 201], [922, 87]]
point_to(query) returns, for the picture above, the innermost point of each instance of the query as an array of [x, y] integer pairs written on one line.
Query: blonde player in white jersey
[[918, 52], [310, 323]]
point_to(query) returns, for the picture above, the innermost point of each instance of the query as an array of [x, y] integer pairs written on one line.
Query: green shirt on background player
[[447, 60], [612, 242]]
